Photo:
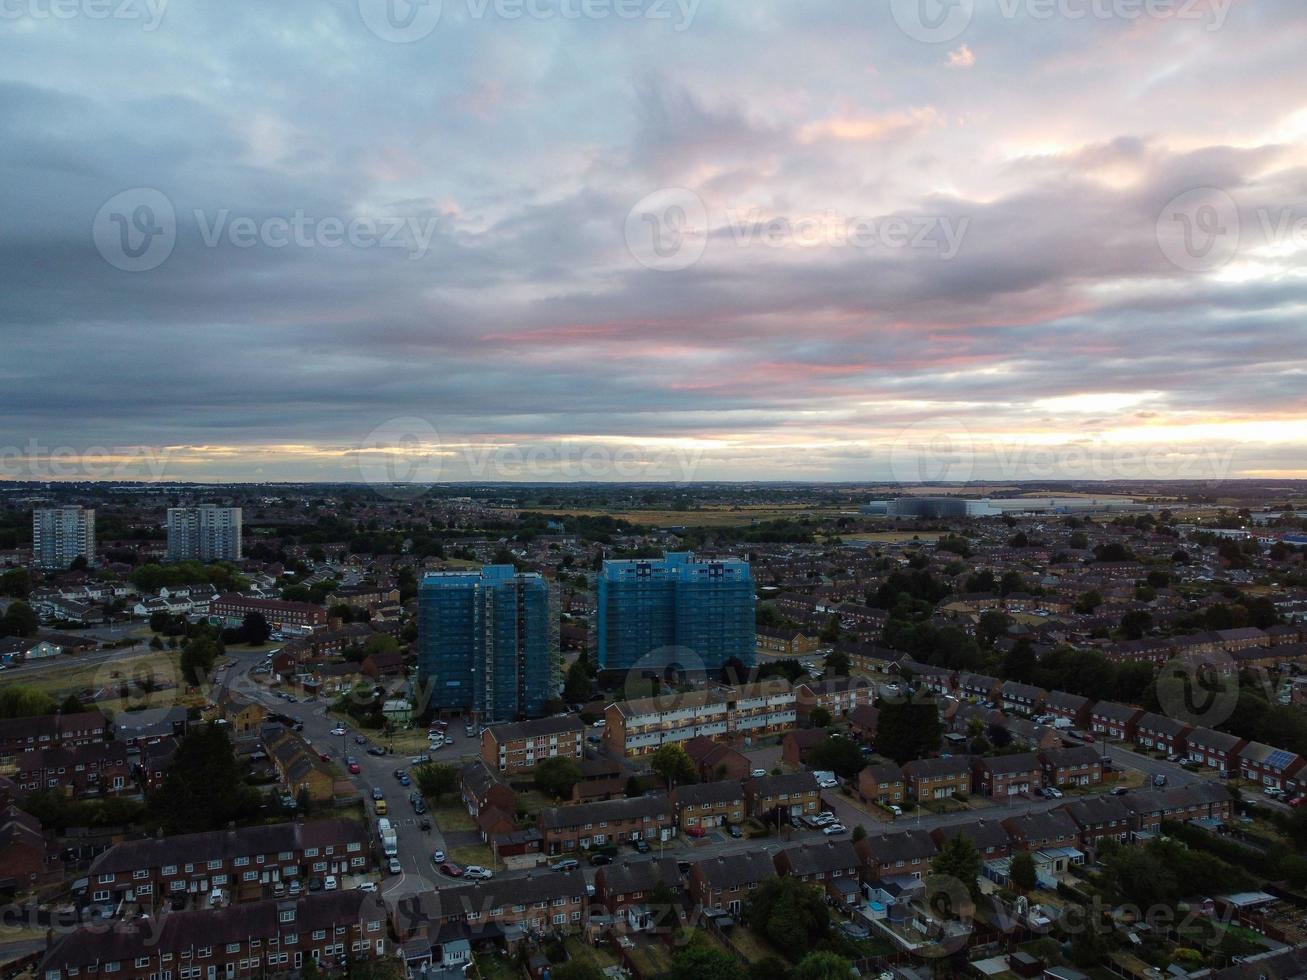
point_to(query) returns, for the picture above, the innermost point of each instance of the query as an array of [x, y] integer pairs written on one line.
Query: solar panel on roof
[[1279, 759]]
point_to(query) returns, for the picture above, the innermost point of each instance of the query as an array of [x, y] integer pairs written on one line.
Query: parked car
[[393, 866], [378, 793], [1297, 801], [641, 846], [437, 857], [477, 873], [1159, 779], [425, 823], [338, 731], [758, 773], [367, 886], [451, 869], [376, 750], [896, 810], [831, 829], [567, 864], [735, 831], [329, 883], [360, 740], [1120, 790], [601, 859], [354, 768], [400, 772]]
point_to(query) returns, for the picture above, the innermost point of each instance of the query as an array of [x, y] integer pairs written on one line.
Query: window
[[215, 864], [140, 873], [233, 947]]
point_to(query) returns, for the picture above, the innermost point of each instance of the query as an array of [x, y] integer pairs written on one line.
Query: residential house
[[520, 746], [1154, 731], [834, 865], [905, 854], [862, 722], [582, 826], [938, 779], [23, 857], [789, 795], [480, 787], [94, 770], [1007, 775], [1100, 818], [727, 881], [1026, 698], [1215, 750], [796, 745], [990, 837], [838, 695], [703, 805], [1072, 707], [717, 760], [1079, 765], [630, 882], [882, 783], [1269, 766], [1115, 721]]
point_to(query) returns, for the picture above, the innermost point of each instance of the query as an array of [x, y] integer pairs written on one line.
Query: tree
[[837, 755], [19, 620], [699, 961], [435, 779], [1078, 540], [203, 789], [576, 688], [823, 966], [1087, 602], [556, 776], [1136, 623], [908, 730], [790, 913], [21, 701], [198, 657], [819, 717], [959, 859], [837, 664], [1022, 871], [71, 705], [674, 765], [16, 582], [859, 833], [769, 968], [255, 629]]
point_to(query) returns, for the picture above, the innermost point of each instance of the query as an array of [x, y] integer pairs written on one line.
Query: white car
[[832, 829], [827, 815], [340, 730], [329, 883], [896, 810], [394, 867], [367, 886], [477, 873], [758, 773], [821, 821]]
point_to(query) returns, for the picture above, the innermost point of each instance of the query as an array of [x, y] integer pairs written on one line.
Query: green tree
[[674, 765], [1022, 871], [556, 776], [823, 966], [203, 789], [436, 779], [859, 833], [819, 717], [769, 968], [198, 657], [838, 664], [1087, 602], [837, 755], [71, 705], [908, 729], [255, 629], [21, 701], [959, 859], [790, 913], [19, 620], [16, 582], [576, 688], [699, 961]]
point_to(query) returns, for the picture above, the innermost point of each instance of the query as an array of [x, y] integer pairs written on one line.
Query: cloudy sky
[[653, 239]]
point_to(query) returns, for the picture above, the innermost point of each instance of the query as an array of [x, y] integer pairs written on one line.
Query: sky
[[653, 239]]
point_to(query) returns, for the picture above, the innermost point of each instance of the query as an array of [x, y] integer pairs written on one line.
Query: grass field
[[705, 517]]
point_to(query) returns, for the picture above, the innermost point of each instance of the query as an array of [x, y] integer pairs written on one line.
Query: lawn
[[889, 537], [494, 967], [651, 959], [707, 516], [71, 676], [751, 946], [473, 854], [600, 956], [452, 819]]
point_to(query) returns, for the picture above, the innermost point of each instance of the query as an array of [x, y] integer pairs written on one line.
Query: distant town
[[607, 730]]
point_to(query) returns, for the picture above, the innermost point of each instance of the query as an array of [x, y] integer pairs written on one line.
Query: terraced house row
[[245, 860], [259, 939], [640, 727]]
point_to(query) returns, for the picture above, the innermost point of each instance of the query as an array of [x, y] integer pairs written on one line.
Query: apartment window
[[319, 934], [140, 873], [106, 879], [170, 869], [288, 915], [241, 862], [233, 947], [311, 852], [142, 961]]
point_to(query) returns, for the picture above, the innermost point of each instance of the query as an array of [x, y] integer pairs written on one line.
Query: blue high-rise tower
[[485, 643], [704, 608]]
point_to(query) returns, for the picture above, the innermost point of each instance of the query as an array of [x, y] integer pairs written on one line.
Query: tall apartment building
[[675, 610], [204, 533], [485, 642], [62, 534]]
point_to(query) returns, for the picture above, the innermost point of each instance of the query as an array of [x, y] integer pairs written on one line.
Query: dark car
[[376, 750], [425, 823], [451, 869], [1120, 790], [735, 831], [599, 859], [640, 845], [360, 740]]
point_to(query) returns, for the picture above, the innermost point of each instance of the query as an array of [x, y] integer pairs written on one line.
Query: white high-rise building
[[62, 534], [204, 533]]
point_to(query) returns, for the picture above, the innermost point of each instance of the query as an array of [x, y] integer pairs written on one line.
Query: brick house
[[982, 687], [784, 641], [1154, 731], [792, 794], [1072, 707], [629, 882], [1079, 765], [938, 779], [519, 746], [566, 829], [92, 770], [542, 901], [862, 722], [233, 608], [838, 695], [298, 767], [1026, 698], [1199, 801], [833, 865], [43, 731], [22, 849], [1007, 775], [1115, 721], [882, 783], [716, 760], [1042, 831], [244, 860], [1215, 750], [1269, 766], [990, 837], [727, 882], [480, 787], [702, 805], [905, 854], [1100, 818], [270, 937]]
